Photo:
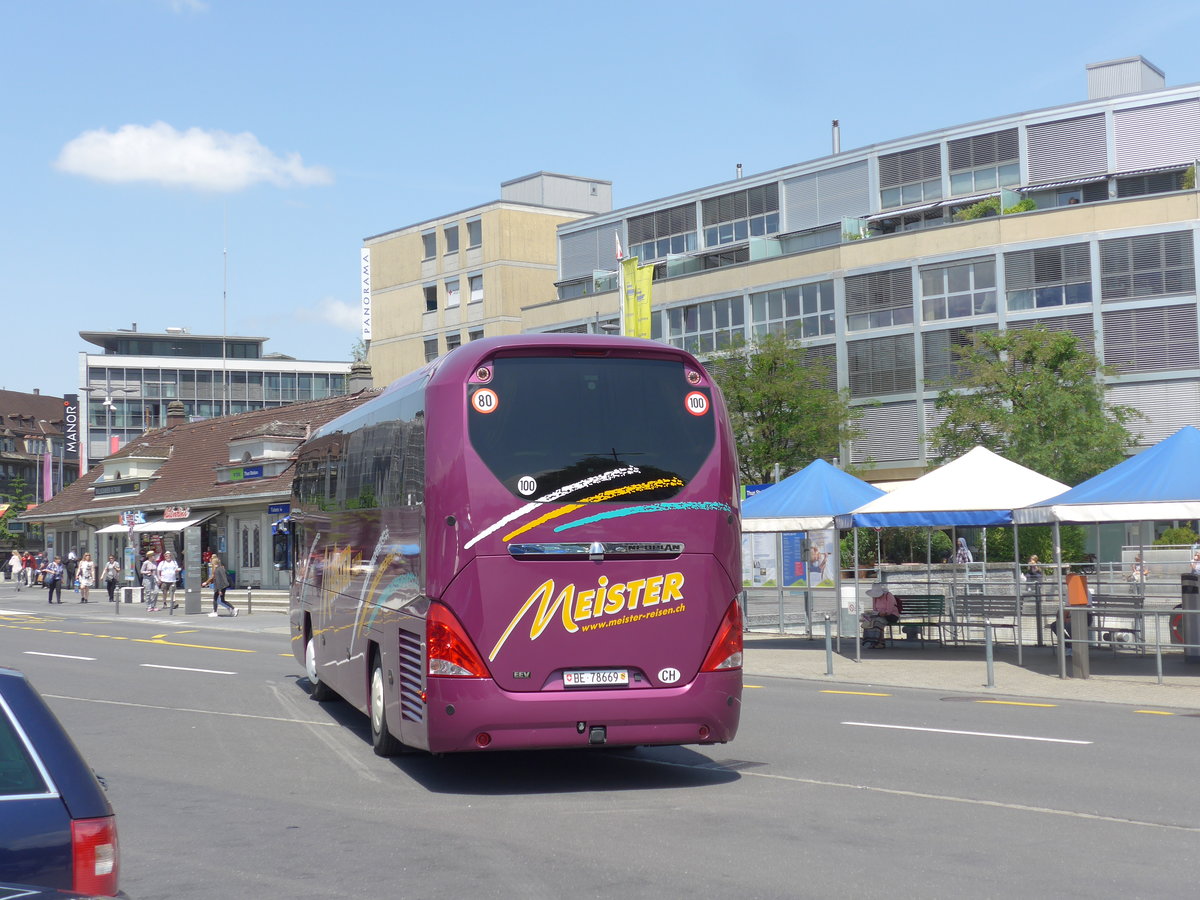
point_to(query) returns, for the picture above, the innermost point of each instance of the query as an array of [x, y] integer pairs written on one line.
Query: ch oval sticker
[[696, 403], [668, 676], [484, 401]]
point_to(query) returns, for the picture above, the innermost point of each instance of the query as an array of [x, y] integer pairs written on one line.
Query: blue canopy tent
[[1161, 482], [806, 501]]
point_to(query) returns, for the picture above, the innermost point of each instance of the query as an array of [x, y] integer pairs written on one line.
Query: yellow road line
[[1154, 712], [157, 639], [857, 693], [759, 686], [1016, 703]]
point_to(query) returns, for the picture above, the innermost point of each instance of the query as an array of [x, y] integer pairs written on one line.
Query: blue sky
[[141, 138]]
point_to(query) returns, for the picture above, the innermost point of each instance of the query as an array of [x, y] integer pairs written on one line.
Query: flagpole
[[620, 282]]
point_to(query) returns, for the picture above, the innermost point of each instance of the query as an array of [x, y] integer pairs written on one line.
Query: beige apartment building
[[435, 285], [872, 259]]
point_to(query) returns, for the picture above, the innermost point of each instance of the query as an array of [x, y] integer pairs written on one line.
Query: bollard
[[1158, 646], [987, 639], [828, 647], [249, 601]]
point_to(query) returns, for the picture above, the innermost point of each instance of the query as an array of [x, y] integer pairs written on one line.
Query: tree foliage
[[1035, 397], [18, 499], [781, 406]]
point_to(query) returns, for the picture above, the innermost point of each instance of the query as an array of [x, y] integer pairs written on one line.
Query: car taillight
[[726, 649], [449, 650], [95, 856]]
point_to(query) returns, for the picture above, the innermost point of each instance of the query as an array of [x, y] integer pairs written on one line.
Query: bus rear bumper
[[475, 714]]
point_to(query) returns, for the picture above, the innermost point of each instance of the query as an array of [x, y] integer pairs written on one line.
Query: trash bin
[[131, 594], [1189, 590]]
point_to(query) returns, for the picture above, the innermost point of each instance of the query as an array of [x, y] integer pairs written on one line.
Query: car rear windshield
[[591, 428], [19, 775]]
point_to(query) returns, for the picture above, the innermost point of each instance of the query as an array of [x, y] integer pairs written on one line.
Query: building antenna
[[225, 314]]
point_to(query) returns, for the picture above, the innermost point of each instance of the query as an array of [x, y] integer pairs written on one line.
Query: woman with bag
[[16, 566], [52, 577], [112, 573], [219, 579], [87, 576]]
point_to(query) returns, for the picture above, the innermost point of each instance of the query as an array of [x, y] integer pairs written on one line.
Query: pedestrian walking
[[87, 576], [28, 571], [70, 569], [167, 575], [111, 575], [52, 578], [219, 579], [149, 582], [17, 567]]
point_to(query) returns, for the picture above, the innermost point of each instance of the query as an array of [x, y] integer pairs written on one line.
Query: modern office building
[[883, 259], [127, 385], [432, 286]]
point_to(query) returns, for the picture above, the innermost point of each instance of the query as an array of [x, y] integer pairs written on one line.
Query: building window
[[453, 340], [799, 311], [475, 334], [741, 215], [940, 350], [725, 258], [881, 366], [704, 327], [667, 231], [912, 176], [452, 294], [429, 242], [879, 299], [475, 284], [1150, 265], [910, 221], [958, 290], [1048, 277], [431, 349], [430, 292], [474, 234], [450, 235], [1149, 183], [1158, 339], [984, 162]]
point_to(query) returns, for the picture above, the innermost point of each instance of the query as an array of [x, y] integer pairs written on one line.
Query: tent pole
[[1017, 574], [1061, 641], [857, 594]]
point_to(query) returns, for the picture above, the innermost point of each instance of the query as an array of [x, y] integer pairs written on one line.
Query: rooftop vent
[[1132, 75]]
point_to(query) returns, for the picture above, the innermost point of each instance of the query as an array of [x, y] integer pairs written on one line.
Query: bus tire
[[320, 690], [381, 739]]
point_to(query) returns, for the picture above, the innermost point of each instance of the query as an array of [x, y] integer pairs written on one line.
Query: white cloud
[[182, 6], [342, 316], [203, 160]]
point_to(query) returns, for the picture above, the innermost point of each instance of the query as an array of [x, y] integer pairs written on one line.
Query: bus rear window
[[591, 428]]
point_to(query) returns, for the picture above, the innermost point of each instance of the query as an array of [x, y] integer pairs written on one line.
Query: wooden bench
[[1002, 611], [920, 611]]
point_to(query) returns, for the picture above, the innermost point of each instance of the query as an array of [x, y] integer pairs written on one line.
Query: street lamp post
[[108, 393]]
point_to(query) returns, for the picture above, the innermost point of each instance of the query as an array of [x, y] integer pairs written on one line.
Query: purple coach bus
[[532, 542]]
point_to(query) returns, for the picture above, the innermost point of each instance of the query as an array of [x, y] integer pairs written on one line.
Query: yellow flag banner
[[636, 312]]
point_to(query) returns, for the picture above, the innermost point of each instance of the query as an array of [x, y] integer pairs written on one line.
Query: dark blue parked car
[[57, 828]]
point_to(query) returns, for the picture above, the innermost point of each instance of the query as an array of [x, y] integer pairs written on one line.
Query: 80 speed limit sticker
[[484, 400]]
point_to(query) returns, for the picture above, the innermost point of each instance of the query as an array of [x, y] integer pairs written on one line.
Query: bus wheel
[[381, 739], [320, 690]]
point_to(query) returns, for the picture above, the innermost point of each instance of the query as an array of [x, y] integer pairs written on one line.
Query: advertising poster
[[823, 558], [758, 560], [794, 561]]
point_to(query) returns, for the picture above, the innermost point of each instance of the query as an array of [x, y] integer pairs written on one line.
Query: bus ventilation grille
[[412, 707]]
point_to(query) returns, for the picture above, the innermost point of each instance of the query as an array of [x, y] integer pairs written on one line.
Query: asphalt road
[[229, 781]]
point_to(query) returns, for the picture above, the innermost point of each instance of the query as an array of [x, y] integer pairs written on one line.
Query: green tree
[[1035, 397], [782, 406], [18, 499]]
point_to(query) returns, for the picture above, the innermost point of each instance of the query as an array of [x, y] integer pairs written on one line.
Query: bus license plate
[[595, 677]]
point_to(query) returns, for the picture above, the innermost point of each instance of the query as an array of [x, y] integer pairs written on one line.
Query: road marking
[[186, 669], [856, 693], [756, 686], [60, 656], [919, 795], [1017, 703], [1010, 737], [157, 639], [163, 643], [1154, 712], [207, 712]]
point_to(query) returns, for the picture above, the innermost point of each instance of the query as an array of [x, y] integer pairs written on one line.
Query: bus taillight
[[450, 651], [726, 649]]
